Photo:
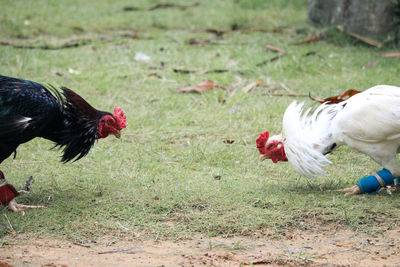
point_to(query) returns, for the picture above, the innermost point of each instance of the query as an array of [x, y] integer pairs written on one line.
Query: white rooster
[[368, 122]]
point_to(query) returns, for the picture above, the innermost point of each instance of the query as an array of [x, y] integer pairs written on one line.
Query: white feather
[[306, 136]]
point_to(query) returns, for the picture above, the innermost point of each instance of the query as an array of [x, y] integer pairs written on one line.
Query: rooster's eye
[[102, 122], [271, 146]]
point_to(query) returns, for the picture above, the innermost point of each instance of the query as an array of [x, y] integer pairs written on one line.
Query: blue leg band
[[371, 184]]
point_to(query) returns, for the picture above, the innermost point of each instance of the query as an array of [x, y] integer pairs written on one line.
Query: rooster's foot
[[355, 189], [381, 181], [15, 207]]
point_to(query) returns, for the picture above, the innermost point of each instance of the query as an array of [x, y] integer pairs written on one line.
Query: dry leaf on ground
[[250, 86], [199, 88], [391, 55], [154, 74], [194, 41], [369, 64], [274, 48], [310, 40]]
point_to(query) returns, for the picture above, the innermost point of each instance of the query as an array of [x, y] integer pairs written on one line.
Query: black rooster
[[29, 109]]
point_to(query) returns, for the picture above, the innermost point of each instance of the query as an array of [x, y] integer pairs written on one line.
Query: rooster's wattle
[[368, 122]]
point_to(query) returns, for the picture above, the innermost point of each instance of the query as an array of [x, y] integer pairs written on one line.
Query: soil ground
[[322, 247]]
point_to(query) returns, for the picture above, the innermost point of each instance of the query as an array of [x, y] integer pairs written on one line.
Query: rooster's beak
[[117, 134], [263, 157]]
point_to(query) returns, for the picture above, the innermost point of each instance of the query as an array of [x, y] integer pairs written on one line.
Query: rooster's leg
[[15, 207], [372, 184], [355, 189]]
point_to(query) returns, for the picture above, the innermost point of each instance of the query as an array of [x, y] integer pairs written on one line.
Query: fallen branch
[[391, 55], [365, 39], [291, 95], [361, 38], [130, 8], [269, 60], [81, 245], [65, 43], [169, 5], [223, 31], [252, 30], [194, 41], [47, 46], [289, 90], [183, 71], [9, 223], [126, 251]]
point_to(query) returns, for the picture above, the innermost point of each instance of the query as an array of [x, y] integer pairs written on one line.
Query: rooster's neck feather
[[80, 129], [307, 137]]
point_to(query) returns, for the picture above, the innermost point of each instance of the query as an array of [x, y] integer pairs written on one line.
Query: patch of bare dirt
[[326, 247]]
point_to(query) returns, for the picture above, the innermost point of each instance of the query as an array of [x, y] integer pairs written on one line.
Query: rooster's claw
[[15, 207], [355, 189]]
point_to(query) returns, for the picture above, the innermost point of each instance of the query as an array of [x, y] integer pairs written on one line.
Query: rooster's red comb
[[119, 115], [261, 141]]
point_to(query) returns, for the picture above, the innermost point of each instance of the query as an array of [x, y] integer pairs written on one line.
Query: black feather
[[29, 109]]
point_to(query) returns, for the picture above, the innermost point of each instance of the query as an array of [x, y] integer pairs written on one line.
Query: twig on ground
[[274, 48], [312, 39], [71, 42], [47, 46], [183, 71], [361, 38], [119, 250], [288, 89], [245, 142], [81, 245], [292, 95], [391, 55], [269, 60], [250, 86], [9, 223], [169, 5]]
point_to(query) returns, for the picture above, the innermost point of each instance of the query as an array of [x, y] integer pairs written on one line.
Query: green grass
[[159, 179]]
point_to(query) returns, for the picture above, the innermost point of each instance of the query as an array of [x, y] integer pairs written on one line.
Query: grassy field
[[171, 175]]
